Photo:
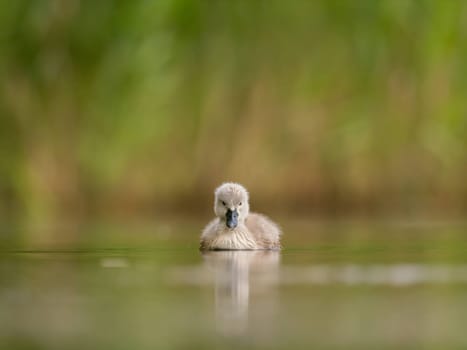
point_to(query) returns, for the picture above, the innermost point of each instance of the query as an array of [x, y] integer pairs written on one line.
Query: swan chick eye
[[223, 203], [240, 203]]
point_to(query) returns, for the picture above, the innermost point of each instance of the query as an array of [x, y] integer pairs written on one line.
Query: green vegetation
[[122, 106]]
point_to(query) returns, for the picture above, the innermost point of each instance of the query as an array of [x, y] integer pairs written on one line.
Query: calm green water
[[334, 285]]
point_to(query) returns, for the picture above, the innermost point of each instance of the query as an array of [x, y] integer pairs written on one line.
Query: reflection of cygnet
[[237, 276], [235, 228]]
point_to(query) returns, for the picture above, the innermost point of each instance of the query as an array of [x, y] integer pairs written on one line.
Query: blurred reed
[[110, 107]]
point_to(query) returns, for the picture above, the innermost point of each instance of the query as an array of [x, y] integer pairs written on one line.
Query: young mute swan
[[234, 227]]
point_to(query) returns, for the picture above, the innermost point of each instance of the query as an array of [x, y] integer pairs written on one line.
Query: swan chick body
[[234, 227]]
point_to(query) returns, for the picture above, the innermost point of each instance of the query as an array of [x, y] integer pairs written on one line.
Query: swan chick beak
[[231, 218]]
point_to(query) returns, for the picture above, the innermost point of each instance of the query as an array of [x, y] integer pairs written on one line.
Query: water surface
[[335, 286]]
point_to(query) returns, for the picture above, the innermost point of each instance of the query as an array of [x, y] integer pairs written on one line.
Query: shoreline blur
[[335, 108]]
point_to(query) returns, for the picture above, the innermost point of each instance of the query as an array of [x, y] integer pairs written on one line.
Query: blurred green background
[[124, 108]]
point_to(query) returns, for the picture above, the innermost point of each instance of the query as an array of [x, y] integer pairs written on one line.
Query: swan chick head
[[231, 204]]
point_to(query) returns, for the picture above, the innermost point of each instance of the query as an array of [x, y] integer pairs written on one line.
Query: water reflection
[[243, 280]]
